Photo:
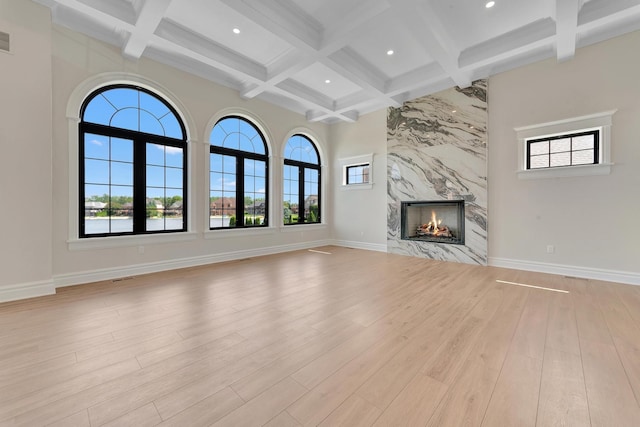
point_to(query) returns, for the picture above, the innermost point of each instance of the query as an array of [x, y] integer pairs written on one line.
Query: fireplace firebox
[[440, 221]]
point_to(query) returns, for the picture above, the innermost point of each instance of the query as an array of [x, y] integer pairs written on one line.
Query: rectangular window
[[357, 174], [563, 150]]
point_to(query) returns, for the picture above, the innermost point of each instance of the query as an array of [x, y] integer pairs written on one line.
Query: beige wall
[[591, 221], [25, 138], [360, 217]]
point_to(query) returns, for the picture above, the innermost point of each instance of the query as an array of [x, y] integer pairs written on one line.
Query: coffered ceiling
[[328, 59]]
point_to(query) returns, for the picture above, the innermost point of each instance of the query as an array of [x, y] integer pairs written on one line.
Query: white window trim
[[601, 121], [357, 161], [79, 94]]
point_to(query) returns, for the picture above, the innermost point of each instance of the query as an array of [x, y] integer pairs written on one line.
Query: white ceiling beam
[[566, 28], [422, 22], [149, 18]]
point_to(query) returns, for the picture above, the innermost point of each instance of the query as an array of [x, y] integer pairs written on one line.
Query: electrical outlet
[[550, 249]]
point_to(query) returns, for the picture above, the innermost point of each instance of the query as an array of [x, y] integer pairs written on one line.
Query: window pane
[[96, 171], [559, 145], [149, 123], [583, 157], [173, 210], [173, 156], [584, 142], [99, 111], [536, 148], [122, 149], [215, 162], [155, 154], [539, 162], [96, 146], [155, 176], [126, 119], [121, 173], [560, 159], [173, 177]]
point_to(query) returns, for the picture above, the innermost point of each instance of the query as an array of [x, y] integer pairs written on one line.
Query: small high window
[[563, 150], [578, 146], [133, 164], [238, 175], [301, 182]]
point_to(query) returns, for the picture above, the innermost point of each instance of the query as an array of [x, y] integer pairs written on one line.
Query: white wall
[[359, 216], [25, 162], [592, 221]]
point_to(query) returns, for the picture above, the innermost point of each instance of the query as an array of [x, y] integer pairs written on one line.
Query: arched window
[[133, 164], [301, 184], [238, 175]]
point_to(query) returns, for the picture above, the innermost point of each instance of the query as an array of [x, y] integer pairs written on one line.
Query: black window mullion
[[139, 186], [301, 195], [240, 191]]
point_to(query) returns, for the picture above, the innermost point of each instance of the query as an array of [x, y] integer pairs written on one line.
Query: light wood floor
[[347, 338]]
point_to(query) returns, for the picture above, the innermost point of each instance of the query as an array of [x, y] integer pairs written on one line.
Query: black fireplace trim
[[459, 240]]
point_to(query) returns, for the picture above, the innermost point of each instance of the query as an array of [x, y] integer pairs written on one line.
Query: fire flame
[[434, 223]]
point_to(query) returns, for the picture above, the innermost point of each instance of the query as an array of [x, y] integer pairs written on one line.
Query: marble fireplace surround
[[437, 150]]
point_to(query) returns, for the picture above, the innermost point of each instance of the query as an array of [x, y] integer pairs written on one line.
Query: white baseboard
[[628, 277], [27, 290], [154, 267], [361, 245]]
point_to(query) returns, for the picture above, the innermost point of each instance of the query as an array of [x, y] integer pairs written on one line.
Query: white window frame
[[364, 160], [599, 121]]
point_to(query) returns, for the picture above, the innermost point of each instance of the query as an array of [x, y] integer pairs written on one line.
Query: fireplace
[[440, 221]]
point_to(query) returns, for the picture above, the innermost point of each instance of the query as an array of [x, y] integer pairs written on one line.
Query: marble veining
[[437, 150]]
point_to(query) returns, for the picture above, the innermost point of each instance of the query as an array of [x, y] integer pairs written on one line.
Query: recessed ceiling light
[[490, 4], [454, 111], [236, 31], [390, 52], [327, 81]]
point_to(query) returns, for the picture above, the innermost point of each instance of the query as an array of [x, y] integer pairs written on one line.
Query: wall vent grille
[[4, 42]]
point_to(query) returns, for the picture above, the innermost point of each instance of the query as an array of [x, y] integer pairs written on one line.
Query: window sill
[[127, 241], [349, 187], [235, 232], [302, 227], [566, 171]]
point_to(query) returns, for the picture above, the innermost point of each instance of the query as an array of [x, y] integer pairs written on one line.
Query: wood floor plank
[[562, 330], [415, 404], [207, 411], [264, 407], [145, 416], [531, 334], [283, 419], [610, 397], [563, 396], [79, 419], [353, 412], [514, 401]]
